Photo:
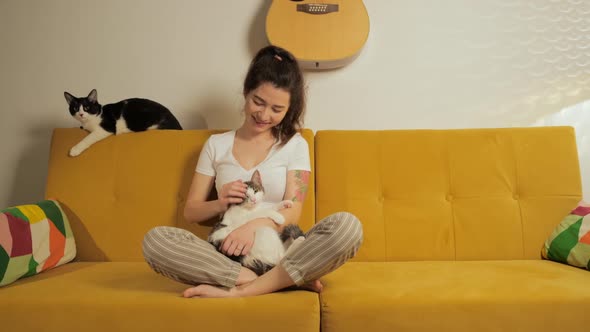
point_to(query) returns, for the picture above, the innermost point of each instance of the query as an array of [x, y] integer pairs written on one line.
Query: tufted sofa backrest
[[467, 194], [123, 186]]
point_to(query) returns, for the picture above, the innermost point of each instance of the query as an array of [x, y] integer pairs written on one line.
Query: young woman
[[267, 141]]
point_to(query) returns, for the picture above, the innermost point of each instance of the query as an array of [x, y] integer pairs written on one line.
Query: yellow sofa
[[454, 221]]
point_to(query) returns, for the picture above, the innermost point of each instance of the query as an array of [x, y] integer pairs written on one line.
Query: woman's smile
[[260, 123], [266, 106]]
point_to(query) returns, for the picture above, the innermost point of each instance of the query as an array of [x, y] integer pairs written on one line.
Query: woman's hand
[[232, 193], [239, 241]]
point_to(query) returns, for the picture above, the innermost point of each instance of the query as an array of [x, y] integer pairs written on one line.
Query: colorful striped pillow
[[34, 238], [570, 241]]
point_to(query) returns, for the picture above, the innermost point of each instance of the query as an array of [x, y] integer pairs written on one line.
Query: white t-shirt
[[217, 160]]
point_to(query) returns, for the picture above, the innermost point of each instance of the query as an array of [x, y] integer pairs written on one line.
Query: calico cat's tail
[[257, 266], [291, 232], [289, 236]]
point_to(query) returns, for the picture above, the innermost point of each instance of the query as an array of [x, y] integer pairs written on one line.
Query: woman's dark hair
[[279, 67]]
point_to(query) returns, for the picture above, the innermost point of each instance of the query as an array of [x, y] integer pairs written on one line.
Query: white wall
[[427, 64]]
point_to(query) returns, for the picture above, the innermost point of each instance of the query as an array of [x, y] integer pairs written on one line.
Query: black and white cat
[[269, 246], [129, 115]]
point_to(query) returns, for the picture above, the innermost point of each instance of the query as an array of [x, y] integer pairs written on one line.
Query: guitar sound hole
[[296, 0]]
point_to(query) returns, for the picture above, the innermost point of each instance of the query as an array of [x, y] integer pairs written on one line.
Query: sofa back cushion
[[467, 194], [121, 187]]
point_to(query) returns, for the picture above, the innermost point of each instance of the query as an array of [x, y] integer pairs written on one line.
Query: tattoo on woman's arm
[[302, 181]]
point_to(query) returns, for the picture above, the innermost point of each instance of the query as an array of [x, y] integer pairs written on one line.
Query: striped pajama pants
[[180, 255]]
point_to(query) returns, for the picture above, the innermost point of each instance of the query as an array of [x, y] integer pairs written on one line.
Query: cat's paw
[[75, 151], [286, 204], [278, 218]]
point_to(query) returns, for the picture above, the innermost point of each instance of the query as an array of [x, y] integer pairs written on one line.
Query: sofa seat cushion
[[122, 296], [525, 295]]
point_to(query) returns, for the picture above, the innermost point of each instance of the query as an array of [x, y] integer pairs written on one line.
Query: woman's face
[[265, 107]]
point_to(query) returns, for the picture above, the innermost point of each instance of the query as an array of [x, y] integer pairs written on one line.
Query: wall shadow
[[215, 111], [29, 185], [194, 121], [257, 32], [30, 176]]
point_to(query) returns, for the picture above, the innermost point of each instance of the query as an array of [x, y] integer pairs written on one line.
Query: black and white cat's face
[[255, 191], [83, 109]]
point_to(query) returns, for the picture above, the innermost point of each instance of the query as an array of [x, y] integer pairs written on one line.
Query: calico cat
[[129, 115], [269, 246]]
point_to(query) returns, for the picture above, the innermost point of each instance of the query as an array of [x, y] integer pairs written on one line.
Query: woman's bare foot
[[273, 280], [208, 291], [314, 286]]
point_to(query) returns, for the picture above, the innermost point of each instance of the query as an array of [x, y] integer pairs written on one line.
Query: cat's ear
[[93, 96], [69, 97], [256, 178]]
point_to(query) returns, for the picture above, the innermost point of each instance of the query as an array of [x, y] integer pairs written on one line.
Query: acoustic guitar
[[322, 34]]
